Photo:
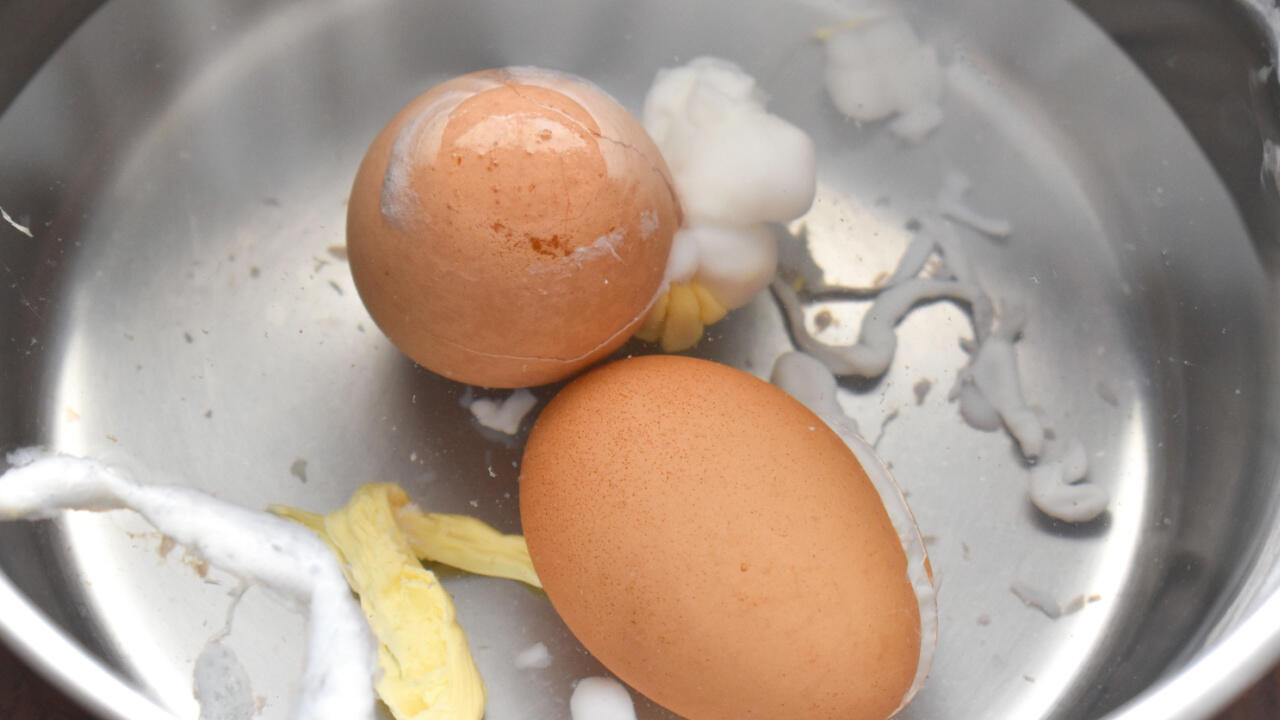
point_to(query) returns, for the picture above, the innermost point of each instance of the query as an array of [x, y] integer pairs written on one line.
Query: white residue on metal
[[809, 380], [1042, 600], [222, 684], [534, 657], [260, 548], [952, 204], [506, 414], [1059, 487], [601, 698], [1037, 598], [877, 67], [16, 225]]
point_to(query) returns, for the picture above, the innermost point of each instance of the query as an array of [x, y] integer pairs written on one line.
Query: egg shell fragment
[[510, 227], [717, 546]]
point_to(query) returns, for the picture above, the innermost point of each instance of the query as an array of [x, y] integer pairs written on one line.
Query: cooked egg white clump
[[878, 67], [736, 168], [252, 545], [427, 671]]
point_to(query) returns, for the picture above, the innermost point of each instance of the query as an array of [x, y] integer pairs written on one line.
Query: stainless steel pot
[[182, 309]]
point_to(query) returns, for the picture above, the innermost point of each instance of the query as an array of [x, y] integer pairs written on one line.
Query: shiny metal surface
[[184, 311]]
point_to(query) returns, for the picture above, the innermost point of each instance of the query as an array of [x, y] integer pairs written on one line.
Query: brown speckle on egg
[[717, 547], [495, 229]]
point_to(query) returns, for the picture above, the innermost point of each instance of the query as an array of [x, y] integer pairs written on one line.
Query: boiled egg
[[721, 549], [510, 227]]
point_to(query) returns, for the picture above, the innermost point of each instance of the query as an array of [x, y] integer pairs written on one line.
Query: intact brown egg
[[510, 227], [720, 549]]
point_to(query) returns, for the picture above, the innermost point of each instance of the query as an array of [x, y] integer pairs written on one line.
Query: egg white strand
[[988, 387]]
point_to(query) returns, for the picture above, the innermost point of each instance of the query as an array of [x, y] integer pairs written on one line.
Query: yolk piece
[[459, 541], [467, 544], [710, 310], [678, 316], [427, 671]]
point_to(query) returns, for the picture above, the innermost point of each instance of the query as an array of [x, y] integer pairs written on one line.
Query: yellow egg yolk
[[427, 672], [679, 315]]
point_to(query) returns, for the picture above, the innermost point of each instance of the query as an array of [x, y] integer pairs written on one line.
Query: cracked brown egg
[[510, 227]]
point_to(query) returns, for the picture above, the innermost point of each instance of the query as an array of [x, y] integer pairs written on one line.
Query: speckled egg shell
[[717, 547], [510, 227]]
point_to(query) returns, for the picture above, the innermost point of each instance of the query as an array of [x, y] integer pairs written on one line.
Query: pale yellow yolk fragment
[[679, 315], [427, 672], [458, 541], [467, 544]]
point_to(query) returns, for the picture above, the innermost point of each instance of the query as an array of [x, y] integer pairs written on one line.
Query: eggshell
[[717, 546], [510, 227]]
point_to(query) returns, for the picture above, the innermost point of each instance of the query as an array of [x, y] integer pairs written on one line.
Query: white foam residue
[[601, 698], [16, 225], [878, 67], [534, 657], [951, 203], [506, 414], [337, 681]]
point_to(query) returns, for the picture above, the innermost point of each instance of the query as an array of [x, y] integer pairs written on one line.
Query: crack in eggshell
[[489, 249]]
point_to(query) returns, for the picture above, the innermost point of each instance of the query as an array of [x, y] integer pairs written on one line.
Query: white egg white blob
[[733, 162], [504, 414], [734, 262], [736, 167], [534, 657], [601, 698], [879, 67]]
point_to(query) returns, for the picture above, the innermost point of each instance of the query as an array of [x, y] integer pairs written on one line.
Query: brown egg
[[510, 227], [717, 547]]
